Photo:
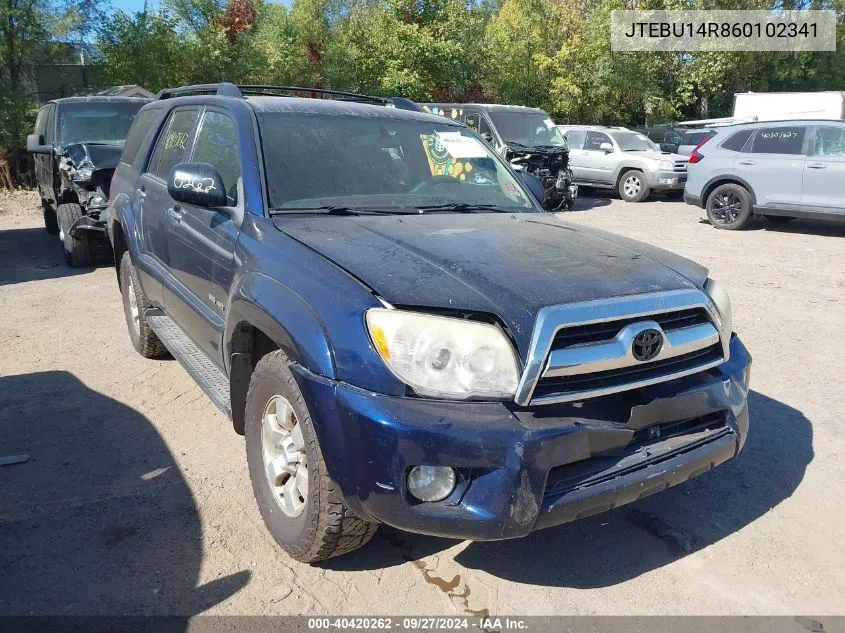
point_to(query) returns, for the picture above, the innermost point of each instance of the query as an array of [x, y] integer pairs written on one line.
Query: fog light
[[431, 483]]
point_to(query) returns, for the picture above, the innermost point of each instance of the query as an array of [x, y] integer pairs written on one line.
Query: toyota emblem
[[647, 344]]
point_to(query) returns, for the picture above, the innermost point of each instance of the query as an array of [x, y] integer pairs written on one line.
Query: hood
[[509, 265], [657, 155], [88, 156]]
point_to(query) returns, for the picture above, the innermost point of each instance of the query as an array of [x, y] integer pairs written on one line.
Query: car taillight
[[694, 156]]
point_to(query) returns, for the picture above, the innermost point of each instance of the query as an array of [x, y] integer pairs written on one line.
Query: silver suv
[[778, 169], [617, 158]]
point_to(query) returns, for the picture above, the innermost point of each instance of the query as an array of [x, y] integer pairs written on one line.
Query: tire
[[315, 524], [51, 222], [77, 250], [729, 207], [633, 186], [779, 219], [144, 340]]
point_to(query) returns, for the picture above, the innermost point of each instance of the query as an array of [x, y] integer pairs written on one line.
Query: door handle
[[141, 191], [748, 162], [816, 165], [175, 213]]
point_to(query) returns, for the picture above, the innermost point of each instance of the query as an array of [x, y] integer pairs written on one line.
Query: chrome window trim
[[551, 319]]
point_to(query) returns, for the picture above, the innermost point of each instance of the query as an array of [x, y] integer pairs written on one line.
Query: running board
[[202, 370]]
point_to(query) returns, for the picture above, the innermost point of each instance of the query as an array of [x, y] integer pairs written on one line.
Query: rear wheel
[[633, 186], [302, 507], [77, 249], [135, 304], [51, 222], [729, 207]]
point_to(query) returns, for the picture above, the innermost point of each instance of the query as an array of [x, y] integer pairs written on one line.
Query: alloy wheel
[[727, 207], [631, 186], [284, 456]]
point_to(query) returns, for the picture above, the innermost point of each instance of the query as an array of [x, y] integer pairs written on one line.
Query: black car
[[667, 138], [400, 331], [77, 143]]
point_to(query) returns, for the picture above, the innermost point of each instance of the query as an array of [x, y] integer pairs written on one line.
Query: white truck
[[780, 106]]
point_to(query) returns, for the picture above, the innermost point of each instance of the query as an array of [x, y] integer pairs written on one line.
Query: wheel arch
[[266, 316], [718, 181], [622, 169]]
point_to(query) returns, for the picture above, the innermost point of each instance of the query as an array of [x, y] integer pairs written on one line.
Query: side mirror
[[35, 144], [197, 184], [487, 137], [532, 183], [607, 148]]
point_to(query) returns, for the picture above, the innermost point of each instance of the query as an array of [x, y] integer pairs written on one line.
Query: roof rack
[[240, 91]]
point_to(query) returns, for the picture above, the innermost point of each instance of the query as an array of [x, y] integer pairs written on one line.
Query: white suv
[[617, 158]]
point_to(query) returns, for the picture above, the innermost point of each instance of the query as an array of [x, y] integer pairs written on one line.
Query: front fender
[[629, 164], [294, 325]]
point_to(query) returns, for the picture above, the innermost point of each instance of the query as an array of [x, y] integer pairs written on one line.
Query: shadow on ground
[[611, 548], [33, 254], [100, 519]]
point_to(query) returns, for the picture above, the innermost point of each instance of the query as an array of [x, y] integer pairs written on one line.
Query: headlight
[[666, 165], [722, 301], [443, 356]]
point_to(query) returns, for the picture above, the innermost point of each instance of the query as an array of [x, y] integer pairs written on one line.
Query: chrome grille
[[681, 165], [585, 350]]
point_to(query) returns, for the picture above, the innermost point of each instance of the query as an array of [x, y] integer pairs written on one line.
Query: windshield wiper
[[460, 207], [331, 209]]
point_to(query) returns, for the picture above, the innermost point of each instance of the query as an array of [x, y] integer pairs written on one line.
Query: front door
[[201, 242], [824, 171], [172, 147], [597, 163]]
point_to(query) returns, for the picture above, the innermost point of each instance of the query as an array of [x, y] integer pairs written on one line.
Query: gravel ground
[[135, 498]]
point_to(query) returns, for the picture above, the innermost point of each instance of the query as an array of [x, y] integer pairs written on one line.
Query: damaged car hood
[[510, 265], [86, 158]]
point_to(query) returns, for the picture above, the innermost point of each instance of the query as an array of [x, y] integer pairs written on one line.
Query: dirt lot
[[136, 498]]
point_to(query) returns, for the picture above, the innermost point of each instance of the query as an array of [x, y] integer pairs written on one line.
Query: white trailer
[[780, 106]]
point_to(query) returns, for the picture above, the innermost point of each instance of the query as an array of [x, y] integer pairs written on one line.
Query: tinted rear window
[[694, 138], [778, 140], [140, 126], [737, 140]]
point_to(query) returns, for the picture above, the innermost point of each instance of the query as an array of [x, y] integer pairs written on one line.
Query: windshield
[[91, 122], [314, 162], [634, 141], [527, 128]]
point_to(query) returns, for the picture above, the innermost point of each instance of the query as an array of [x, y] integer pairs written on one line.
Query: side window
[[40, 121], [595, 139], [137, 133], [472, 121], [173, 143], [575, 138], [672, 137], [49, 126], [484, 127], [656, 136], [736, 141], [830, 141], [217, 144], [778, 140]]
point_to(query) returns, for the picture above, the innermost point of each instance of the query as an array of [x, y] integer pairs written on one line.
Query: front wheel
[[633, 186], [301, 506], [729, 207], [135, 305], [77, 249], [51, 222]]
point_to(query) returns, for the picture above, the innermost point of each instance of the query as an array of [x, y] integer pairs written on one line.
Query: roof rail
[[222, 89], [240, 91]]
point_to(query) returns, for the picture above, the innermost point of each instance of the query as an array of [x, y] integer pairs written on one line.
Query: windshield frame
[[62, 109], [542, 117], [265, 172]]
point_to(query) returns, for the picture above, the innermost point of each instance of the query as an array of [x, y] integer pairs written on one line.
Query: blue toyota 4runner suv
[[381, 307]]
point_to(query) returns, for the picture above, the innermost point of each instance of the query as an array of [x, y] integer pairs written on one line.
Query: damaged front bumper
[[525, 469]]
